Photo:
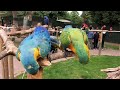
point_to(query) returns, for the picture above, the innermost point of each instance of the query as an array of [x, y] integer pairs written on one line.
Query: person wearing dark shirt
[[96, 37], [90, 27], [90, 38]]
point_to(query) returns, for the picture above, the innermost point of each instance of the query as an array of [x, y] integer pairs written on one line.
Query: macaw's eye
[[42, 30], [31, 37]]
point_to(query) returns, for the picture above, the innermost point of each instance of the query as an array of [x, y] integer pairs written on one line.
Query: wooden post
[[6, 67], [5, 73], [100, 44], [11, 67], [1, 44]]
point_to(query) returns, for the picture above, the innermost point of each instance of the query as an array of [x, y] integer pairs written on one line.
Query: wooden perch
[[11, 49], [112, 73], [4, 53], [60, 54], [22, 32]]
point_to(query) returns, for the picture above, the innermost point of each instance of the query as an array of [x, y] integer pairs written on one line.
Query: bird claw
[[3, 47], [9, 51]]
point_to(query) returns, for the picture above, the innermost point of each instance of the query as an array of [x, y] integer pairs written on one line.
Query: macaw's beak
[[43, 62]]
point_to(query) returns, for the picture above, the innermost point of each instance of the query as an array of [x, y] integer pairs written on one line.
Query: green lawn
[[72, 69], [110, 46]]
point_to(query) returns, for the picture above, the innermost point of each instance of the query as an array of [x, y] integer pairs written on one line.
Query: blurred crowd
[[94, 36]]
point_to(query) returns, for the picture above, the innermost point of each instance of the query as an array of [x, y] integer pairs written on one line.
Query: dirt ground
[[18, 68]]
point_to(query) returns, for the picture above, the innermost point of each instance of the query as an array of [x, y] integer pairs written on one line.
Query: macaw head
[[84, 56], [45, 17], [29, 62]]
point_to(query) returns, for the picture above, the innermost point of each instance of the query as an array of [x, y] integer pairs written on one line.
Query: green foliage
[[105, 17], [74, 17], [50, 14], [86, 17]]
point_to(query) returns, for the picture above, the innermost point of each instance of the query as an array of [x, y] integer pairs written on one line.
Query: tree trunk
[[27, 21], [15, 19]]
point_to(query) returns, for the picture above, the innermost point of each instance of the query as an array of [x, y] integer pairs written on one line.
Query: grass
[[110, 46], [72, 69]]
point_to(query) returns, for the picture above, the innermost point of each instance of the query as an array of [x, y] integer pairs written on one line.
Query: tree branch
[[4, 53], [112, 73], [11, 49], [22, 32]]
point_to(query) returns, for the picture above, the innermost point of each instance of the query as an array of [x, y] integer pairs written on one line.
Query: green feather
[[78, 39]]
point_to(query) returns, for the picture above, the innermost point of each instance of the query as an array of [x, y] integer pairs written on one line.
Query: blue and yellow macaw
[[35, 46]]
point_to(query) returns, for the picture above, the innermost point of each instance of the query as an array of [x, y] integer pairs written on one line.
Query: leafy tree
[[105, 17], [74, 17]]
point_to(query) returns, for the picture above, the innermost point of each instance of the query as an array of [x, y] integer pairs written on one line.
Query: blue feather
[[40, 38]]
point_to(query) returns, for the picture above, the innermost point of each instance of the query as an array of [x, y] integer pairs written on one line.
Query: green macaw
[[76, 40]]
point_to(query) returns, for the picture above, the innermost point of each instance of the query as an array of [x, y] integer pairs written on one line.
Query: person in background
[[110, 32], [104, 34], [111, 28], [83, 27], [96, 37], [90, 39], [86, 30], [97, 28], [5, 27], [90, 27]]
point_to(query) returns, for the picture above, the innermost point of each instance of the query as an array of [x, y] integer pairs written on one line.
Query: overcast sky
[[80, 12]]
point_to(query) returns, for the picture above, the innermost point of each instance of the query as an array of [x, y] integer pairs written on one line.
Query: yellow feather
[[72, 48], [19, 56], [36, 53]]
